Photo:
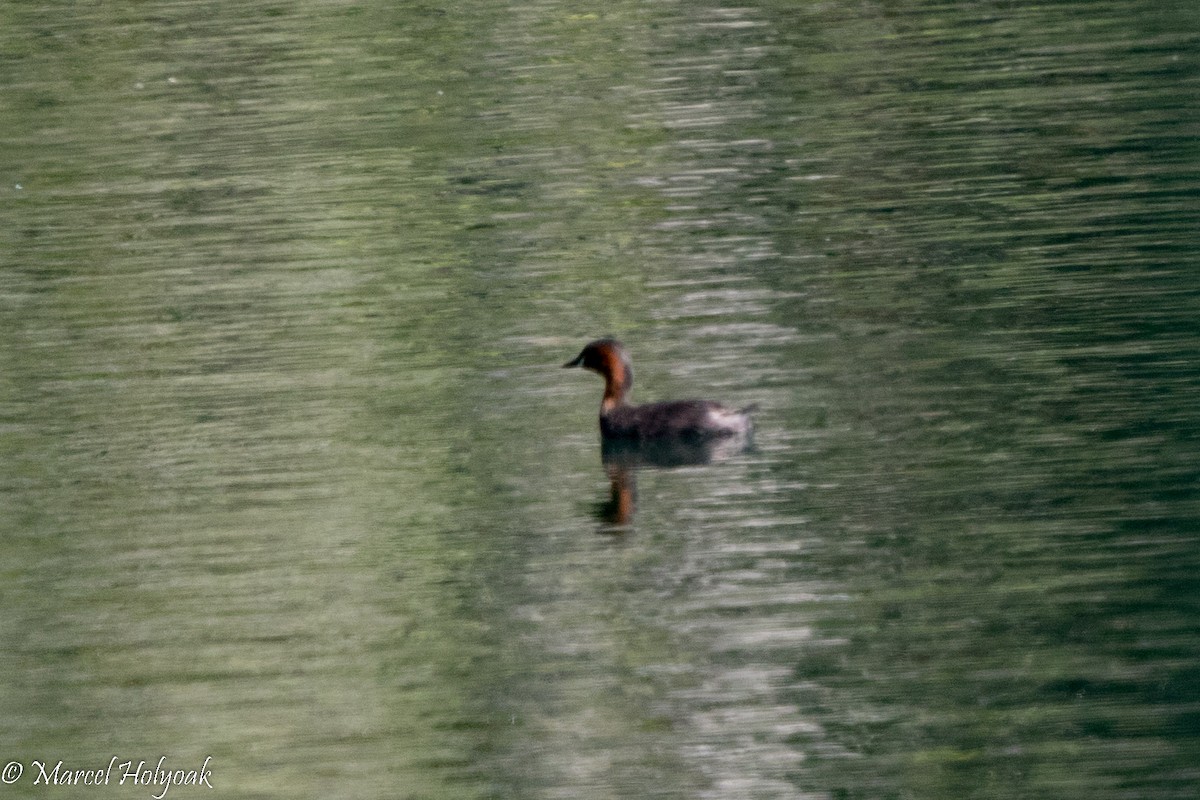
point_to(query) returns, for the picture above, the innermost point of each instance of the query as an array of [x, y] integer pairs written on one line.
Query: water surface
[[292, 477]]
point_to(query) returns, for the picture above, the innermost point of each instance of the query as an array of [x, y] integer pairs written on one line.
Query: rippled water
[[291, 477]]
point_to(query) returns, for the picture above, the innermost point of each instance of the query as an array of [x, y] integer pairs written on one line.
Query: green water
[[290, 476]]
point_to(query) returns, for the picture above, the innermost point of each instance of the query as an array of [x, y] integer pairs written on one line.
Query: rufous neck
[[614, 397], [616, 387]]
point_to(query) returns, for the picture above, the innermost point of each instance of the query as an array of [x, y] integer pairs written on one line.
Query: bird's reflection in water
[[623, 458]]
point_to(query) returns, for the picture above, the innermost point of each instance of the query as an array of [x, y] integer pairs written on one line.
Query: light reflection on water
[[292, 477]]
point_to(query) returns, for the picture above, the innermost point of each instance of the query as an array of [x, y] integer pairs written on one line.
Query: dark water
[[290, 476]]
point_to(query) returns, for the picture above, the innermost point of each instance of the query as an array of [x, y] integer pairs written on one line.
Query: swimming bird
[[674, 419]]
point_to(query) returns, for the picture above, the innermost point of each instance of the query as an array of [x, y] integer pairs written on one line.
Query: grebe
[[674, 419]]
